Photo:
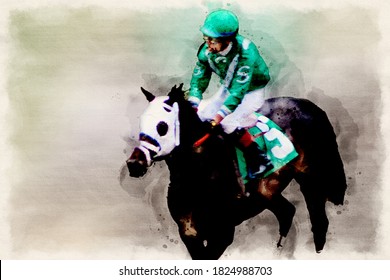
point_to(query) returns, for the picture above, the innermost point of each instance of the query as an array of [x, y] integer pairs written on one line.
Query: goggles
[[211, 41]]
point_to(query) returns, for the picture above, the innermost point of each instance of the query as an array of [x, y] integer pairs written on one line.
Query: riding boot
[[256, 159]]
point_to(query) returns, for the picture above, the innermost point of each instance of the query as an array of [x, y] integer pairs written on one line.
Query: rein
[[205, 137], [201, 140]]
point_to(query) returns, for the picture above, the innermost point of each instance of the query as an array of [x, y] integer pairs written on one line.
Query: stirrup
[[262, 170]]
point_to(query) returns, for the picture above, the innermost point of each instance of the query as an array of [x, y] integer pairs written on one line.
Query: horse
[[205, 195]]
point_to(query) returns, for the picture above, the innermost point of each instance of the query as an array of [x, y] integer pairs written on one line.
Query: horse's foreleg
[[218, 241], [195, 247], [190, 237]]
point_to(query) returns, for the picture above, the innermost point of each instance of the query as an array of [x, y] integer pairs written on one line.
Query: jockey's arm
[[239, 87], [200, 80], [251, 73]]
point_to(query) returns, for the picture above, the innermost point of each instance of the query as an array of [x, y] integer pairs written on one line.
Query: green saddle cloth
[[270, 138]]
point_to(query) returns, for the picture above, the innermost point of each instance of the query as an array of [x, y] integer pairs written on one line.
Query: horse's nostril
[[136, 168]]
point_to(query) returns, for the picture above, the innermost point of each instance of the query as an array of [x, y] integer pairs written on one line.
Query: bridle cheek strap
[[177, 124]]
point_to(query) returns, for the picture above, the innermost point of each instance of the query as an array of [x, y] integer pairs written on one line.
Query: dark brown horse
[[203, 193]]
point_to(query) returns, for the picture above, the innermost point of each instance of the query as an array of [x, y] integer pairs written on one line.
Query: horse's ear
[[180, 87], [149, 96], [176, 93]]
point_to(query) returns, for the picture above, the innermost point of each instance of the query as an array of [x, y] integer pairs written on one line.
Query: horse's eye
[[162, 128]]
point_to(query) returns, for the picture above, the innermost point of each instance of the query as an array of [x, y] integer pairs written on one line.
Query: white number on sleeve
[[243, 73]]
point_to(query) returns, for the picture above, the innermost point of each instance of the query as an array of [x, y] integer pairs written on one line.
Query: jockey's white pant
[[242, 116]]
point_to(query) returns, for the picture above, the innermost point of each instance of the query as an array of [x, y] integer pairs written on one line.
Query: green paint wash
[[56, 52]]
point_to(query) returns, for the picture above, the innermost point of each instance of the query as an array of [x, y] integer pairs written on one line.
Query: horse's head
[[159, 130]]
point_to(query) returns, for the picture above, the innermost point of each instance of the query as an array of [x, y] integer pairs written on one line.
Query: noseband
[[149, 147]]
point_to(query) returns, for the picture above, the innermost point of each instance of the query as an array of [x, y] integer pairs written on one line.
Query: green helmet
[[220, 24]]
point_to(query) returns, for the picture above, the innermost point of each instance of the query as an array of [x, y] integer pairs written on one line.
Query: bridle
[[150, 146]]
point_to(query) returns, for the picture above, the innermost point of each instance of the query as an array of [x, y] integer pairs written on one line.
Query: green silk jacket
[[240, 68]]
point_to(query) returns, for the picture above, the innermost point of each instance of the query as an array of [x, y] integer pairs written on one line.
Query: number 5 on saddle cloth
[[270, 138]]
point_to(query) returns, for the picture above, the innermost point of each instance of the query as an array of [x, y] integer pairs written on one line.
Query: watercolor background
[[71, 104]]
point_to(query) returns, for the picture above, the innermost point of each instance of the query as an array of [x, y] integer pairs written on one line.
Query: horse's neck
[[191, 127], [181, 162], [203, 170]]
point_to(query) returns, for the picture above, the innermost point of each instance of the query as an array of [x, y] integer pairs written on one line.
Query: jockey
[[243, 75]]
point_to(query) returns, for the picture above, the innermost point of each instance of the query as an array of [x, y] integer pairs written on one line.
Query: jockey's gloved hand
[[193, 101], [213, 127]]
